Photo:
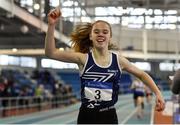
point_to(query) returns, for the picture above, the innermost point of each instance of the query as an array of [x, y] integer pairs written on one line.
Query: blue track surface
[[68, 115]]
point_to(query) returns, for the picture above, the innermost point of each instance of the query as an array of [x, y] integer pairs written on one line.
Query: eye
[[96, 31], [105, 31]]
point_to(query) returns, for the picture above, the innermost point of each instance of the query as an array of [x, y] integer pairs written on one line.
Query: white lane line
[[70, 121], [129, 116], [152, 114], [123, 107]]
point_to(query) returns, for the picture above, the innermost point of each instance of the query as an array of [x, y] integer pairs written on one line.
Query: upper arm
[[143, 76], [69, 56], [129, 67]]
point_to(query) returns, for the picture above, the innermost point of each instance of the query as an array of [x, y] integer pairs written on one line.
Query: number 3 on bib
[[98, 94]]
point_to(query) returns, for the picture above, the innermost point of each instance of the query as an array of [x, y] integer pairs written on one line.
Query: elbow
[[51, 53], [48, 54]]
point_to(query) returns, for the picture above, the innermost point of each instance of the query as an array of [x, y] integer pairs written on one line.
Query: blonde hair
[[80, 37]]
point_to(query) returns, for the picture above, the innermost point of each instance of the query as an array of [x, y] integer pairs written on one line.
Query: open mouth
[[100, 39]]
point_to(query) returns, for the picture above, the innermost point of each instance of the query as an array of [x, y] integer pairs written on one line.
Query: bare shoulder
[[126, 65], [123, 61]]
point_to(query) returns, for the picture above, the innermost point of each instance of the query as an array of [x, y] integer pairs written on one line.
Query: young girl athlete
[[100, 69]]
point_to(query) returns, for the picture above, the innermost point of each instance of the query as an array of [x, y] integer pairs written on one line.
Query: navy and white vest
[[139, 87], [100, 84]]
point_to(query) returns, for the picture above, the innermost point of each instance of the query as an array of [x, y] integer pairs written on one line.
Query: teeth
[[100, 40]]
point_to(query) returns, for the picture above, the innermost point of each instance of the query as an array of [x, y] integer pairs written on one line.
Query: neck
[[100, 53]]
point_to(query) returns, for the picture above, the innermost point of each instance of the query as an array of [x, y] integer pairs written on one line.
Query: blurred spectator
[[149, 94], [176, 82], [39, 94], [138, 95], [176, 86], [3, 94], [35, 74], [2, 87]]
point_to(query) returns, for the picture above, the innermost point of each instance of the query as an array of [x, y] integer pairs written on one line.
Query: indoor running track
[[68, 115]]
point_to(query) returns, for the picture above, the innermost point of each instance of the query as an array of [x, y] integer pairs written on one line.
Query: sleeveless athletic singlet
[[100, 84]]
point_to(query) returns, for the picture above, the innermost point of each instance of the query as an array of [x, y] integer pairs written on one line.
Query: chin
[[101, 47]]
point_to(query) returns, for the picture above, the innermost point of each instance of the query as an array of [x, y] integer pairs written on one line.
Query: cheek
[[109, 39]]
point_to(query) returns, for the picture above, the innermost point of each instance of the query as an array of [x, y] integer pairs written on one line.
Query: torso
[[139, 86], [99, 83]]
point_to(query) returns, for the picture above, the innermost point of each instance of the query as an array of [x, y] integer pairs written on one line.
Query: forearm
[[49, 41], [150, 83]]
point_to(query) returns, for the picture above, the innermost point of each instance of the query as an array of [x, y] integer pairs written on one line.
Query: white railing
[[11, 106]]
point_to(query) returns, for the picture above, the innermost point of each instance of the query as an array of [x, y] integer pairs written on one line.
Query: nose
[[100, 34]]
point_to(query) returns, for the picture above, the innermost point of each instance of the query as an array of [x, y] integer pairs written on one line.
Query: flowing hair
[[80, 37]]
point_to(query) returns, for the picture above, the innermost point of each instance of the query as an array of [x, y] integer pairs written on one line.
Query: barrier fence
[[12, 106]]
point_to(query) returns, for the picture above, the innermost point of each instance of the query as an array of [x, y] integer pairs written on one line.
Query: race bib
[[98, 91]]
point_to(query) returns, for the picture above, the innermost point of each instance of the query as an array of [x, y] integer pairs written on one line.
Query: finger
[[58, 12], [160, 106], [163, 105], [53, 15]]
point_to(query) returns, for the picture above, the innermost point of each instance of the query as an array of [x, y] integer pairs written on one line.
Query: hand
[[160, 104], [53, 16]]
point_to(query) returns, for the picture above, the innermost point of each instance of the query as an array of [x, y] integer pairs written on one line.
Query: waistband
[[98, 109]]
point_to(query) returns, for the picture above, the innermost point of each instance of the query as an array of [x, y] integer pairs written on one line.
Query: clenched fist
[[53, 16]]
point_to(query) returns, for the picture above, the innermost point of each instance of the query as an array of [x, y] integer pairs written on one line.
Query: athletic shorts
[[138, 94], [97, 116]]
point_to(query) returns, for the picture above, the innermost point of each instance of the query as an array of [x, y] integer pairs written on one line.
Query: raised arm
[[145, 78], [50, 49]]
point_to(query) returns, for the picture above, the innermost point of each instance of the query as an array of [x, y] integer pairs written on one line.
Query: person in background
[[176, 86], [138, 95], [176, 82], [39, 95], [100, 69], [149, 95]]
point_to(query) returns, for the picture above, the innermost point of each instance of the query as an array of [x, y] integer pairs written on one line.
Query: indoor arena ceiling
[[153, 4], [20, 33]]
